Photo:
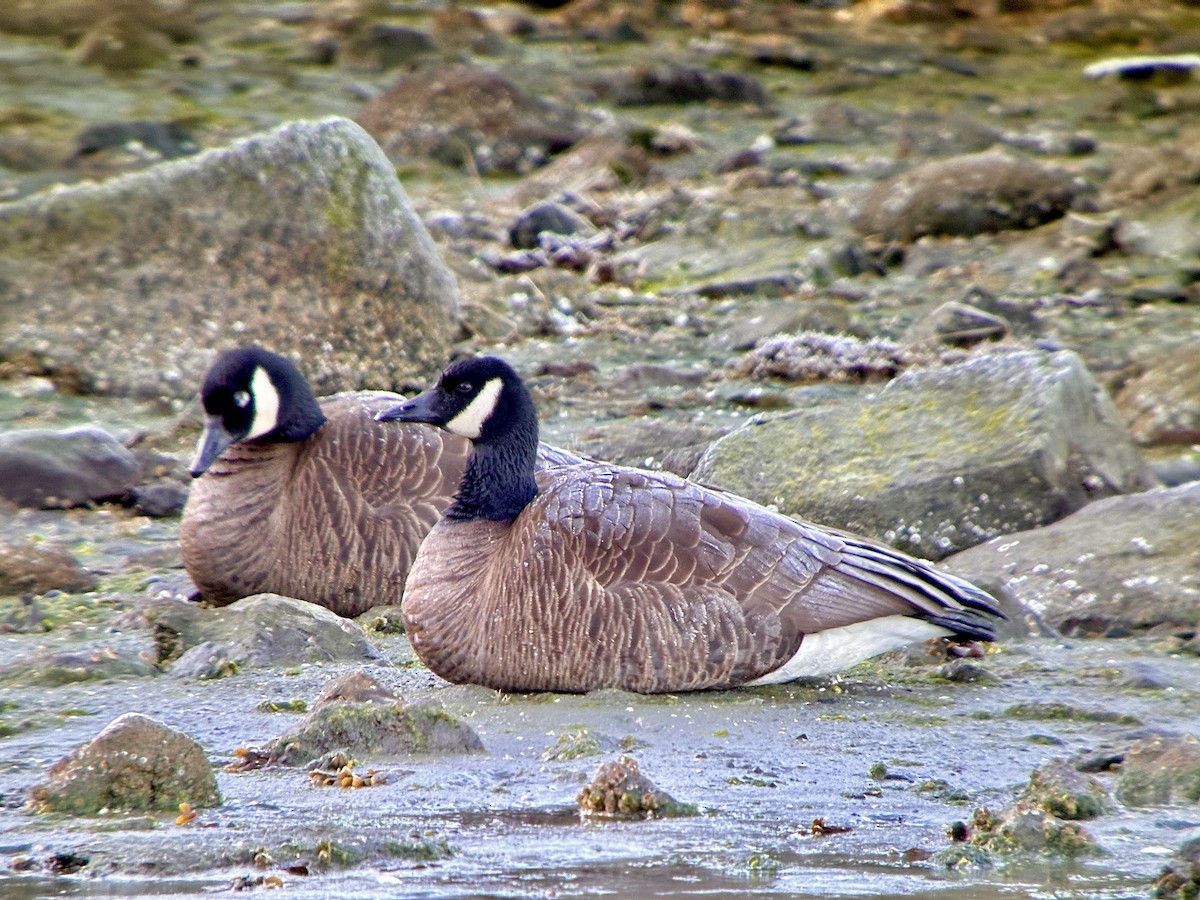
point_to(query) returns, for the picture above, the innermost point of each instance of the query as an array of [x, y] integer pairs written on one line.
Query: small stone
[[619, 790], [959, 325], [164, 499], [1144, 676], [549, 216], [961, 670], [688, 84]]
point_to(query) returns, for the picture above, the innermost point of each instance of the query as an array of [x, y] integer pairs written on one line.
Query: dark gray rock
[[967, 195], [301, 238], [549, 216], [356, 714], [1145, 676], [45, 468], [262, 630], [163, 499], [687, 84], [942, 458], [136, 763], [1120, 564]]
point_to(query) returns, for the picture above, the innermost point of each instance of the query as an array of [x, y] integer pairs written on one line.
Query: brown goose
[[306, 498], [593, 576]]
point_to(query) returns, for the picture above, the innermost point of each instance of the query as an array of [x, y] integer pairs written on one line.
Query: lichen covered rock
[[941, 458]]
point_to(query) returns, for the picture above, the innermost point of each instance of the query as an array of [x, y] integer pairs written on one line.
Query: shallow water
[[762, 764]]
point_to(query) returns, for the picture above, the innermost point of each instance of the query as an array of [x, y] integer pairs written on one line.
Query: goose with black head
[[310, 498], [602, 576]]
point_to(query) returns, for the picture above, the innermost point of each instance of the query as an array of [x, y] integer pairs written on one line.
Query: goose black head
[[481, 399], [485, 401], [251, 394]]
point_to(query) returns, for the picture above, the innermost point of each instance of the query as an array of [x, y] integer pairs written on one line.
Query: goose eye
[[465, 388], [241, 398]]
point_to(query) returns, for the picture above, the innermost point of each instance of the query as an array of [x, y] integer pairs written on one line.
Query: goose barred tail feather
[[939, 597]]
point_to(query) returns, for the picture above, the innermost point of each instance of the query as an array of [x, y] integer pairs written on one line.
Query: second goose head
[[251, 394], [484, 400]]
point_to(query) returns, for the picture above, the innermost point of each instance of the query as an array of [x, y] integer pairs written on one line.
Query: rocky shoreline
[[911, 277]]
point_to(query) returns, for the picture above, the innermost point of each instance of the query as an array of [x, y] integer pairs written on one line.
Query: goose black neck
[[299, 418], [498, 482]]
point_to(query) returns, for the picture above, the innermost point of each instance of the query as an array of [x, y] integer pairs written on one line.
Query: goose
[[309, 498], [590, 576]]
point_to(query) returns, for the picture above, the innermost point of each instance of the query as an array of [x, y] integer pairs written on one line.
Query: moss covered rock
[[302, 239], [136, 763], [942, 458], [1062, 791], [357, 714], [1027, 829], [262, 630]]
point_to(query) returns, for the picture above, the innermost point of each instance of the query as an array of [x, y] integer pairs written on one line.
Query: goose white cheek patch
[[469, 422], [266, 404]]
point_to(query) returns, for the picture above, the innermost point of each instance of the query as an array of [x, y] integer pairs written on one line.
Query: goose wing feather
[[743, 582]]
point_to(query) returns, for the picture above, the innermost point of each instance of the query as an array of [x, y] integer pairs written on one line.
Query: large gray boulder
[[1120, 564], [302, 238], [941, 458]]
